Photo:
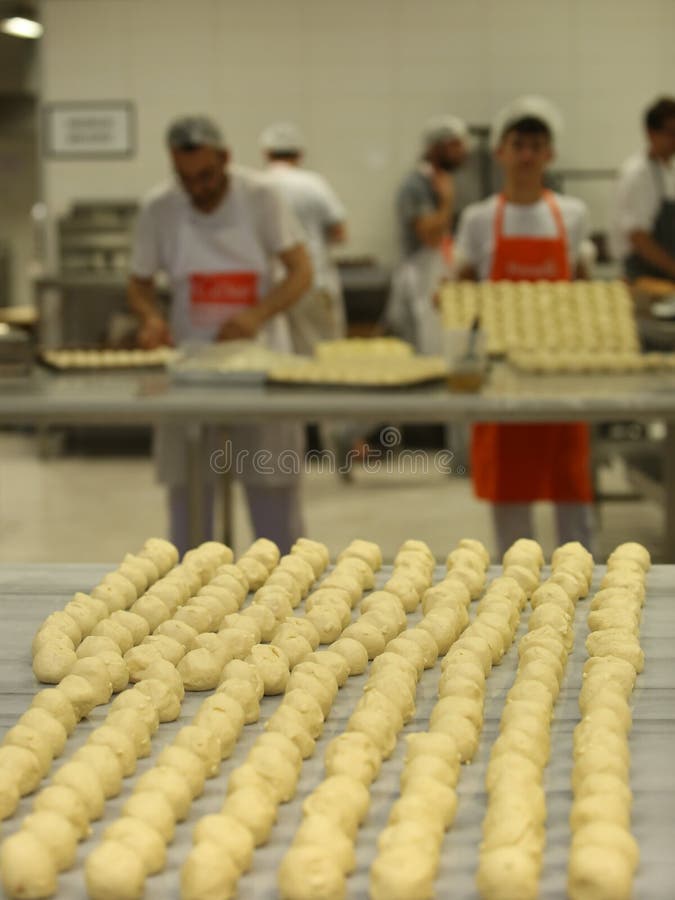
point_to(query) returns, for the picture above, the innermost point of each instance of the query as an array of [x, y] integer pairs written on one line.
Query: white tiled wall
[[359, 77]]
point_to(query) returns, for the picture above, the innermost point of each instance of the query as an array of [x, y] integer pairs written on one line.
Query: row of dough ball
[[322, 853], [268, 777], [604, 854], [46, 843], [511, 851], [546, 363], [409, 847], [57, 641]]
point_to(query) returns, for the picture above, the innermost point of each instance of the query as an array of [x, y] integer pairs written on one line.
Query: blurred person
[[217, 232], [424, 213], [319, 315], [528, 233], [644, 215]]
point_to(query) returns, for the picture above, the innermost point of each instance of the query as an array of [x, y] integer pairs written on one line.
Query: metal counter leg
[[669, 494], [196, 463]]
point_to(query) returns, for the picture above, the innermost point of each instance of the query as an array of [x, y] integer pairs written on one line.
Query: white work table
[[151, 399], [30, 592]]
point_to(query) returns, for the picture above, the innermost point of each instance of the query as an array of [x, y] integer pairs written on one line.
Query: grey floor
[[95, 509]]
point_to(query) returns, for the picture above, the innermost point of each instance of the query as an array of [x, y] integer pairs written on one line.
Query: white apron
[[411, 313], [218, 272]]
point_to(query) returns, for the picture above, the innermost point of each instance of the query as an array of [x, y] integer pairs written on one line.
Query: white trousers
[[514, 520], [276, 513]]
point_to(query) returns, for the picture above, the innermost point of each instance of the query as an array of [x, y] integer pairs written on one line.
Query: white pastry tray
[[651, 742]]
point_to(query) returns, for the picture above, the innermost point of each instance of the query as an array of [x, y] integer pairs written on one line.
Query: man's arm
[[281, 297], [645, 246], [153, 329], [432, 226]]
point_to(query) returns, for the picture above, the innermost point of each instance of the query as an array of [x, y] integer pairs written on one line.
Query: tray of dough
[[559, 317], [321, 725], [104, 360]]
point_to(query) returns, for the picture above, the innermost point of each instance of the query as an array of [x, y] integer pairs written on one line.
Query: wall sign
[[89, 130]]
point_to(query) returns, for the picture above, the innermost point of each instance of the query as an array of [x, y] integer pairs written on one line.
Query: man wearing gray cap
[[320, 314], [218, 233], [424, 208]]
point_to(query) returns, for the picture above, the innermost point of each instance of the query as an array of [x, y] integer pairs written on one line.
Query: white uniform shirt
[[168, 206], [643, 184], [317, 208], [475, 238]]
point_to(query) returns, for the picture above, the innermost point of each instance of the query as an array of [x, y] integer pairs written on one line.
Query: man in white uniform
[[424, 210], [644, 217], [218, 232], [319, 315]]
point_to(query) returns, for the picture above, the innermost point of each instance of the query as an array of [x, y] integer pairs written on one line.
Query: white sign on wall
[[89, 130]]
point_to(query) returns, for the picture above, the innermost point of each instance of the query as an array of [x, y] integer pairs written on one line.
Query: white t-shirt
[[643, 183], [475, 238], [167, 206], [317, 208]]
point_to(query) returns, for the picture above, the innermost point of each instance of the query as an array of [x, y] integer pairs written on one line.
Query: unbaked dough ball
[[358, 569], [311, 872], [208, 873], [281, 744], [403, 872], [152, 609], [245, 694], [353, 753], [327, 622], [52, 662], [246, 671], [170, 782], [105, 763], [289, 722], [142, 838], [114, 871], [308, 707], [254, 809], [226, 706], [66, 802], [188, 764], [508, 872], [95, 671], [203, 744], [526, 578], [27, 866], [44, 723], [86, 782], [336, 663], [153, 808], [353, 652], [435, 743], [600, 873], [232, 837], [56, 833], [9, 793], [278, 771], [426, 643], [119, 743], [376, 724], [410, 651], [141, 704], [200, 670], [346, 581], [429, 765], [132, 723], [296, 647], [368, 635], [418, 807], [616, 642], [221, 727], [462, 731]]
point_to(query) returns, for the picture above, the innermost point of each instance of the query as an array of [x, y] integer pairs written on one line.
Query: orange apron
[[521, 463]]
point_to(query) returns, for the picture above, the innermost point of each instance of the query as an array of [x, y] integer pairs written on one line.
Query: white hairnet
[[444, 128], [524, 108], [282, 137]]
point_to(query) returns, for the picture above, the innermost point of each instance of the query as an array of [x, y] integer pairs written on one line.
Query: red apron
[[521, 463]]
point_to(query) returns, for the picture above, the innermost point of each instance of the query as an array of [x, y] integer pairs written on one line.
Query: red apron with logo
[[521, 463]]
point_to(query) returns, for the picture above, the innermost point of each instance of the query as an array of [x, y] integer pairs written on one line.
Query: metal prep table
[[29, 592], [119, 399]]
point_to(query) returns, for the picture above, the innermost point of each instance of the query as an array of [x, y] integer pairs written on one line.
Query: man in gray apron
[[644, 227], [218, 232]]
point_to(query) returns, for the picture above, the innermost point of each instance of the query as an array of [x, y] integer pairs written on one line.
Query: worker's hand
[[444, 185], [153, 333], [245, 324]]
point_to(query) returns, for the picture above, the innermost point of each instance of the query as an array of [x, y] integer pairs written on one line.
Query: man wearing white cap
[[528, 233], [320, 314], [424, 210], [218, 232]]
